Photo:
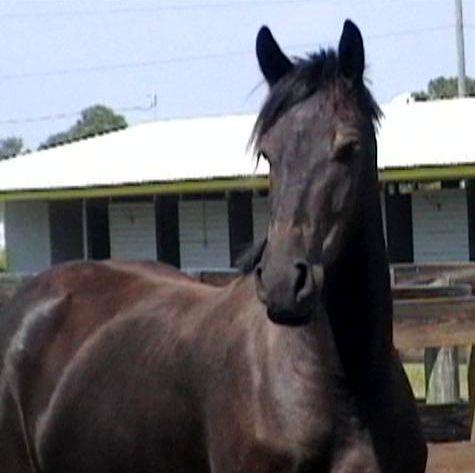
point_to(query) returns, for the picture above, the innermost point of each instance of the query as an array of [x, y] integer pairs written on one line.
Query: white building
[[188, 192]]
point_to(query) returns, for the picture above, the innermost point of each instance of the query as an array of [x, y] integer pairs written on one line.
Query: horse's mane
[[316, 72], [310, 74]]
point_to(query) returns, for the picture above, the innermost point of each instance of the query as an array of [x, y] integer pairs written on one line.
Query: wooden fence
[[434, 307]]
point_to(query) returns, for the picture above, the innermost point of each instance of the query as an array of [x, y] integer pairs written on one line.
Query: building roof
[[413, 136], [432, 133], [155, 152]]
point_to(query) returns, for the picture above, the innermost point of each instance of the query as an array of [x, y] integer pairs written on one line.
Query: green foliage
[[55, 140], [421, 96], [444, 88], [10, 147], [95, 120]]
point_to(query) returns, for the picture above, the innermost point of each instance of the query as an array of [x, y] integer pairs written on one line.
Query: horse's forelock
[[307, 77]]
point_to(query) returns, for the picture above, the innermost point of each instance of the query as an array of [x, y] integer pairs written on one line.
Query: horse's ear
[[351, 52], [273, 62]]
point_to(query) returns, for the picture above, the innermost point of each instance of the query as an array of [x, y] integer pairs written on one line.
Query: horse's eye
[[346, 151]]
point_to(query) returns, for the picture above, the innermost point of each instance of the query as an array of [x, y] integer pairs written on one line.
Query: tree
[[10, 147], [95, 120], [444, 88], [55, 140]]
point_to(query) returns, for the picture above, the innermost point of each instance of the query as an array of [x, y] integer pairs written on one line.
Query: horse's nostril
[[258, 272], [259, 283], [303, 283], [302, 275]]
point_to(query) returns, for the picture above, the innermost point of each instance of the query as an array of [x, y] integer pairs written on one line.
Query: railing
[[434, 310]]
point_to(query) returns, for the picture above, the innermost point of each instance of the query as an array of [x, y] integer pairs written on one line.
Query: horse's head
[[316, 131]]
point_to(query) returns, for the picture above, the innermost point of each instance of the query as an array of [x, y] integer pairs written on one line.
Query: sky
[[164, 59]]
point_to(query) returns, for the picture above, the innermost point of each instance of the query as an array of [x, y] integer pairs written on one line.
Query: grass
[[415, 372], [3, 260]]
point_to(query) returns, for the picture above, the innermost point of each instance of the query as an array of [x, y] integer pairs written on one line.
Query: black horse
[[134, 367]]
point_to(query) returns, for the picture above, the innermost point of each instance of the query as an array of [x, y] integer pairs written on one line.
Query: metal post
[[460, 48]]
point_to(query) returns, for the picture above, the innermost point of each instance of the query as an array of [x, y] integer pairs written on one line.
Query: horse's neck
[[358, 298]]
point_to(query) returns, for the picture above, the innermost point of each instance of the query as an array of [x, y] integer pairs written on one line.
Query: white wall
[[27, 236], [440, 225]]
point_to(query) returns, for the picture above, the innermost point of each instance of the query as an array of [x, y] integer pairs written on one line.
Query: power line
[[218, 4], [165, 7], [63, 115], [408, 32], [41, 118], [173, 7], [194, 58], [132, 65]]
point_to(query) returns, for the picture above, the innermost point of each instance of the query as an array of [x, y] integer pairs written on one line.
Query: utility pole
[[441, 364], [460, 48]]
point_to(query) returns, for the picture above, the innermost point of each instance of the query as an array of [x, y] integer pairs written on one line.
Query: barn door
[[203, 229], [132, 230], [440, 226]]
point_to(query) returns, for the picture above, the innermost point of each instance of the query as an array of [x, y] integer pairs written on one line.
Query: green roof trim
[[176, 187], [428, 173]]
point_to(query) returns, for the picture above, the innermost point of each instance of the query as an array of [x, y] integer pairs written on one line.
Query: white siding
[[27, 236], [260, 217], [132, 230], [440, 226], [204, 234]]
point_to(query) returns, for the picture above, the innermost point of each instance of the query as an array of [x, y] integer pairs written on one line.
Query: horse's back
[[75, 339], [76, 299]]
